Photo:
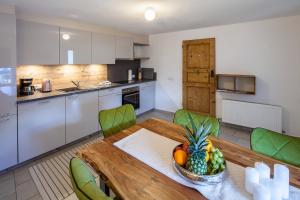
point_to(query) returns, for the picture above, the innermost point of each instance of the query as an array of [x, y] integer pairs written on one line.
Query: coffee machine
[[26, 87]]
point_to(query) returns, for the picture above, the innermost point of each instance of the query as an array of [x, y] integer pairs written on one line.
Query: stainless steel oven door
[[131, 98]]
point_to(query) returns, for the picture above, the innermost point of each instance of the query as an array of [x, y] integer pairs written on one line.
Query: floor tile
[[36, 197], [6, 176], [26, 190], [22, 175], [7, 186], [12, 196], [244, 143]]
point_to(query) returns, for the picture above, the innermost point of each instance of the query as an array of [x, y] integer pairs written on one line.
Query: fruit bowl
[[195, 178]]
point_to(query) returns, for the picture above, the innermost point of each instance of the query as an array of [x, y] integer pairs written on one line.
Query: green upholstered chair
[[181, 118], [116, 119], [276, 145], [84, 183]]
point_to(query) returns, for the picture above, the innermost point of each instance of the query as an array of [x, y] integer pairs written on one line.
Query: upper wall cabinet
[[7, 40], [37, 43], [124, 48], [103, 49], [75, 46]]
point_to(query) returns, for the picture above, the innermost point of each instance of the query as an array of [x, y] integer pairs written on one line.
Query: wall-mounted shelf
[[236, 83]]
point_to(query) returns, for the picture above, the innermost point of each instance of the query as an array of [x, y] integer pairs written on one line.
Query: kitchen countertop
[[56, 93]]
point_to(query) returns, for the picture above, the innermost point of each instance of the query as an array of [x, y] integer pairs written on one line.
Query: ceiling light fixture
[[66, 36], [149, 14]]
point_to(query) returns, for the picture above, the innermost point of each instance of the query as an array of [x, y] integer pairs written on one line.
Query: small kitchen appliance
[[46, 86], [26, 87]]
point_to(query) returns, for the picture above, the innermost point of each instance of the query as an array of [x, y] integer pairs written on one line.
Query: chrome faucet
[[76, 83]]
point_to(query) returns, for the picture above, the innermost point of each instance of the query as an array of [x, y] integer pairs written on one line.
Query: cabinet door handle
[[43, 102]]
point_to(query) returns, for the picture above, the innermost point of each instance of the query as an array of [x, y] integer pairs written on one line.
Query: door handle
[[212, 73], [43, 102]]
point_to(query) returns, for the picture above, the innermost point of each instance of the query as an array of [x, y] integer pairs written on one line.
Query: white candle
[[276, 191], [263, 170], [274, 187], [281, 175], [261, 192], [251, 179]]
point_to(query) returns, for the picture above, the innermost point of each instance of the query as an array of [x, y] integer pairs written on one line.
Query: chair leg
[[104, 187]]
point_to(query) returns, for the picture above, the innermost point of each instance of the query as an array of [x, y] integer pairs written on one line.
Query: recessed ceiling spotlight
[[150, 14], [66, 36]]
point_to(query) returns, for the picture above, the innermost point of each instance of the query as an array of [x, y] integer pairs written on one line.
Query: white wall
[[269, 49]]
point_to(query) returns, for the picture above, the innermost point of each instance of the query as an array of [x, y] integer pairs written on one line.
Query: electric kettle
[[46, 86]]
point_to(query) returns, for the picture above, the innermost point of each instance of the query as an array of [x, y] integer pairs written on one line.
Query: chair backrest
[[84, 183], [114, 120], [181, 118], [276, 145]]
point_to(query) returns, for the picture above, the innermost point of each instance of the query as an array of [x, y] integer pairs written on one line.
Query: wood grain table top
[[133, 179]]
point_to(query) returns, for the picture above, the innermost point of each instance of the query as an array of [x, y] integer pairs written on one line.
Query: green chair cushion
[[278, 146], [117, 119], [181, 118], [84, 183]]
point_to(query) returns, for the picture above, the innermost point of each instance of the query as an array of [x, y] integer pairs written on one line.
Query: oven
[[131, 96]]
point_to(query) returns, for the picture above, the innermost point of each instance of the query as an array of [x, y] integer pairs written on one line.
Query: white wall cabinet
[[41, 127], [8, 142], [7, 40], [81, 115], [103, 49], [147, 97], [110, 98], [124, 48], [75, 46], [141, 51], [37, 43]]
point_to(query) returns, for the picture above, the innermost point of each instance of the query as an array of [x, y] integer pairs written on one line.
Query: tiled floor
[[18, 184]]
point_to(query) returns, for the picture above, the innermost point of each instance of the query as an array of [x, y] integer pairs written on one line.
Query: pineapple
[[196, 162]]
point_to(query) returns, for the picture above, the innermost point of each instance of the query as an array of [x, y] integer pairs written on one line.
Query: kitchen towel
[[156, 151]]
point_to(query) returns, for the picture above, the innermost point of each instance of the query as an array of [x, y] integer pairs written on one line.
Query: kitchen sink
[[70, 89]]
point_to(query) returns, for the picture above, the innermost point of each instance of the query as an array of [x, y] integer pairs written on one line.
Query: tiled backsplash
[[61, 75]]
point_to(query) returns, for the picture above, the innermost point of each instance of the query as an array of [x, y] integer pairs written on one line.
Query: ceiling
[[172, 15]]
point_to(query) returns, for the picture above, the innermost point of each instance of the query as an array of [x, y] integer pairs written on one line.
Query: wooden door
[[199, 76]]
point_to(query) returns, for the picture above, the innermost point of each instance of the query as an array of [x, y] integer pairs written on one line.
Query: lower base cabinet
[[41, 127], [110, 101], [147, 97], [81, 115], [8, 142]]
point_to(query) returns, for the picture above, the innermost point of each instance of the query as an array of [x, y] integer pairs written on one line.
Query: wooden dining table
[[132, 179]]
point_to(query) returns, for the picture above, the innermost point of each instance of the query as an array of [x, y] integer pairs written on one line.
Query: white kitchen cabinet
[[141, 51], [37, 43], [75, 46], [7, 40], [110, 98], [8, 141], [124, 48], [41, 127], [103, 49], [147, 97], [81, 115]]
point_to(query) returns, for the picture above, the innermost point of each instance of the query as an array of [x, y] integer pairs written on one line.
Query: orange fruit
[[180, 157], [209, 145]]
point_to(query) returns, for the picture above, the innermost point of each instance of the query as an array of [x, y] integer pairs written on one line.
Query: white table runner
[[156, 151]]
